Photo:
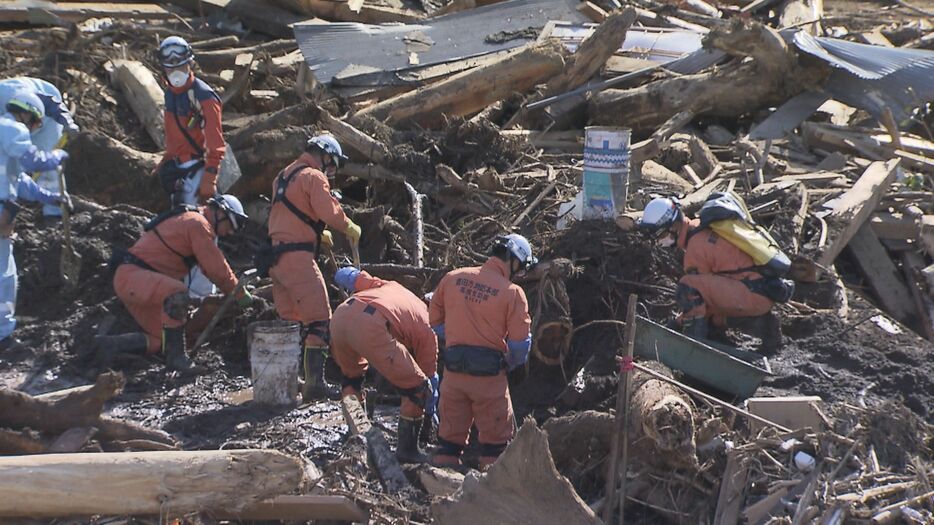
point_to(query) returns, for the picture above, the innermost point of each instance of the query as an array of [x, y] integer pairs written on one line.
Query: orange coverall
[[143, 291], [386, 325], [711, 287], [298, 288], [206, 132], [478, 306]]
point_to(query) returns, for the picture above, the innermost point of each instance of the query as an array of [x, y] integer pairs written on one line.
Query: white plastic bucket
[[606, 171], [275, 350]]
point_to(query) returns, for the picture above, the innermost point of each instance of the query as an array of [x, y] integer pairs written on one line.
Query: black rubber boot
[[108, 347], [173, 347], [316, 387], [407, 450], [766, 327]]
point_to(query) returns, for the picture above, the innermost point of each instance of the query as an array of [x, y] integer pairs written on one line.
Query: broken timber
[[881, 273], [381, 455], [133, 483], [305, 507], [847, 213]]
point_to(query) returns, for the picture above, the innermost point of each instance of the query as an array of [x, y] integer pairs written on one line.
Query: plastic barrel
[[606, 171], [275, 350]]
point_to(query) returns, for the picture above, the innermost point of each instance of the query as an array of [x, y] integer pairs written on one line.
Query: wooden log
[[523, 486], [164, 483], [701, 156], [369, 147], [881, 273], [470, 91], [83, 408], [379, 452], [766, 81], [661, 413], [143, 93], [847, 213]]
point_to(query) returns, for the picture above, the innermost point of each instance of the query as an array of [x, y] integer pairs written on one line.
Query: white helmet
[[232, 207], [660, 214], [519, 247], [175, 51]]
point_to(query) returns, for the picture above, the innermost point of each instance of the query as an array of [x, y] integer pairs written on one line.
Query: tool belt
[[8, 218], [268, 255], [773, 288], [171, 174], [474, 360], [121, 256]]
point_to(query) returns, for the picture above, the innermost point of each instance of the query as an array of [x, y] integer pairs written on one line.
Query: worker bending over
[[148, 277], [721, 286], [302, 206], [484, 318], [386, 325]]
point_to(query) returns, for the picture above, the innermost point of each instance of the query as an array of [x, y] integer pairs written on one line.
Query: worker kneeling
[[148, 277], [484, 318], [723, 284], [387, 325]]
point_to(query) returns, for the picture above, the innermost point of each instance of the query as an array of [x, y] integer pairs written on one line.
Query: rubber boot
[[108, 347], [316, 387], [407, 450], [766, 327], [173, 347]]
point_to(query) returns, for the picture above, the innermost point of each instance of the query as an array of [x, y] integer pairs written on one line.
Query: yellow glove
[[327, 240], [353, 232]]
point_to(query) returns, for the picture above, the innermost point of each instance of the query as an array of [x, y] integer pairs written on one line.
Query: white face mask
[[178, 78], [667, 241]]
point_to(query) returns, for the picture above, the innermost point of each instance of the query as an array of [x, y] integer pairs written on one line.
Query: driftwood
[[164, 483], [772, 77], [471, 91], [143, 93], [81, 408]]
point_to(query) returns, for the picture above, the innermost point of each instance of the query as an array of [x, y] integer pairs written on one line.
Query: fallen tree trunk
[[80, 408], [471, 91], [663, 415], [143, 92], [133, 483], [772, 77]]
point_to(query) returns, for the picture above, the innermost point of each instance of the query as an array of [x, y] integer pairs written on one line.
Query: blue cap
[[346, 278]]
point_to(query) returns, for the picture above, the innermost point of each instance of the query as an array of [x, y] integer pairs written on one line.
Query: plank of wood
[[732, 488], [758, 511], [131, 483], [895, 226], [847, 213], [470, 91], [23, 11], [912, 264], [303, 507], [881, 273], [355, 415], [815, 179], [592, 11]]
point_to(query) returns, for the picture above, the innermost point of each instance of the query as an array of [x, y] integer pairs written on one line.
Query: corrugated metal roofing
[[331, 48], [866, 61]]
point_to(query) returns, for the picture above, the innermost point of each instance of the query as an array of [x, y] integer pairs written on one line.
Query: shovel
[[355, 253], [245, 279], [70, 262]]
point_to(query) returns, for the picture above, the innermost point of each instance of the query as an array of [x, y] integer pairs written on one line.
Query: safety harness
[[316, 225], [121, 256]]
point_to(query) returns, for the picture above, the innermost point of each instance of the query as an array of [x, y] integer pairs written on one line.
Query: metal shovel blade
[[70, 266]]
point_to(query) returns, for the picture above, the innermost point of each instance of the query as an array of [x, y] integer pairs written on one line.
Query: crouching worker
[[722, 285], [386, 325], [148, 278], [484, 318]]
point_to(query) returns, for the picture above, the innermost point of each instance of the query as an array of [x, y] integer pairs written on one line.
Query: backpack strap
[[281, 186], [190, 261]]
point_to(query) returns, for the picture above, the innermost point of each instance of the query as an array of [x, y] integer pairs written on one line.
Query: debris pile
[[465, 120]]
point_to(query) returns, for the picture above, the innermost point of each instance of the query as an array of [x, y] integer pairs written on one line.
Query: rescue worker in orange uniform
[[719, 285], [302, 207], [484, 319], [148, 277], [386, 325]]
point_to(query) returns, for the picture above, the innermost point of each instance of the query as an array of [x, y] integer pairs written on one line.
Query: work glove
[[72, 130], [64, 199], [353, 232], [518, 353], [58, 156], [327, 240], [431, 404], [245, 300]]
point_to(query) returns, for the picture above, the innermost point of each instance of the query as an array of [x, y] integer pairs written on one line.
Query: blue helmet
[[29, 102], [346, 278], [175, 51], [328, 144], [519, 247]]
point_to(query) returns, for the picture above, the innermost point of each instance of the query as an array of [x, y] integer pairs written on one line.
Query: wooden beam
[[369, 147], [305, 507], [895, 226], [912, 263], [881, 273], [131, 483], [470, 91], [847, 213], [24, 11], [592, 11]]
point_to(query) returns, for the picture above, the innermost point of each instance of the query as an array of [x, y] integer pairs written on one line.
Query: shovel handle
[[355, 253], [228, 300]]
